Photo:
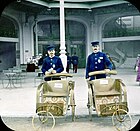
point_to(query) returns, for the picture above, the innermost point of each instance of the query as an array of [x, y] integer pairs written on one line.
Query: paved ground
[[18, 104], [80, 124]]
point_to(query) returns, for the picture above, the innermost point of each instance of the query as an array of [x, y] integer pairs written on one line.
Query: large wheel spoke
[[121, 120], [43, 120]]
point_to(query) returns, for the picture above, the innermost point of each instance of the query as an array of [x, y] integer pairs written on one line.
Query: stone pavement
[[18, 104], [21, 101]]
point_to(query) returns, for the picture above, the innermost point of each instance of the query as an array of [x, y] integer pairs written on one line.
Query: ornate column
[[62, 36]]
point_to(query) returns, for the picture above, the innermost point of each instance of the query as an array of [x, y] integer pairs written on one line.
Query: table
[[10, 77], [19, 75]]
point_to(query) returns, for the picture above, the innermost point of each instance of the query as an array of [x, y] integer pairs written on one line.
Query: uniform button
[[95, 58], [95, 66], [95, 62]]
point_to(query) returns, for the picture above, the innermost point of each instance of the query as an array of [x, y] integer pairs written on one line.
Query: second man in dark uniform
[[52, 64]]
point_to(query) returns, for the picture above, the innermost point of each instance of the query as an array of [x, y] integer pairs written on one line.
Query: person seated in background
[[51, 64]]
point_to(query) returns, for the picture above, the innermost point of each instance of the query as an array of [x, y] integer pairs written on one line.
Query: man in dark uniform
[[52, 64], [68, 63], [97, 61], [74, 60]]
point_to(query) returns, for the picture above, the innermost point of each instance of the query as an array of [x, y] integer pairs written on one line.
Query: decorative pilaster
[[36, 38], [62, 36]]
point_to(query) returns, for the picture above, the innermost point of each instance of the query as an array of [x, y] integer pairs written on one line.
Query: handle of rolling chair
[[59, 75], [111, 72]]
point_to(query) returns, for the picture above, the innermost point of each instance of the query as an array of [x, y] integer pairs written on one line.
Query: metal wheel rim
[[121, 122], [43, 121]]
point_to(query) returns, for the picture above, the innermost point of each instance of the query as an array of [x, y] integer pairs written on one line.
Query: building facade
[[28, 27]]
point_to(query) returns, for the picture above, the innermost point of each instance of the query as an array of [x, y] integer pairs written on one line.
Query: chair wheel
[[43, 120]]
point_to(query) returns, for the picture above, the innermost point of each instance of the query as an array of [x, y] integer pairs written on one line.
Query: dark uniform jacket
[[74, 60], [95, 62], [54, 63], [68, 60]]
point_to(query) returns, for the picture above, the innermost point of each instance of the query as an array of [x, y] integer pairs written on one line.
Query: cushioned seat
[[105, 87], [56, 88], [108, 93]]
